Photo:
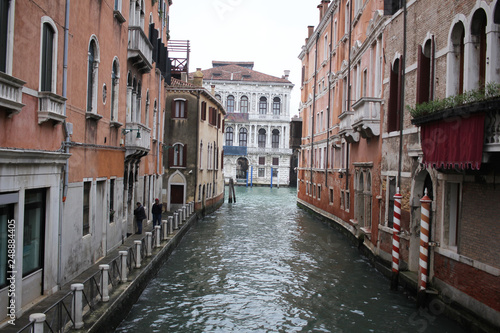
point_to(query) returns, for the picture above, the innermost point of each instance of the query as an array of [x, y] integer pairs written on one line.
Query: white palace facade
[[257, 125]]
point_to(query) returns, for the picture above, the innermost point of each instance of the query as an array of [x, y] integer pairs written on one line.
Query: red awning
[[454, 142]]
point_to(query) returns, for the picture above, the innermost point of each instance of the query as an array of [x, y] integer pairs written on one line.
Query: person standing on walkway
[[156, 210], [140, 215]]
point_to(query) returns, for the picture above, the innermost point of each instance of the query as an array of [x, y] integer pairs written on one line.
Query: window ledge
[[92, 116], [11, 94], [116, 124], [119, 16]]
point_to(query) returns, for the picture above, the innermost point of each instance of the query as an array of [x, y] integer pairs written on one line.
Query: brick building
[[357, 61], [81, 100]]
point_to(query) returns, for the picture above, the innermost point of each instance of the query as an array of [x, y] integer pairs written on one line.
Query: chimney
[[213, 89], [320, 7], [325, 4], [184, 77], [287, 74], [198, 77], [310, 31]]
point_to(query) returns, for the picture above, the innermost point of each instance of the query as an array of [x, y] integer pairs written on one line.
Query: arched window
[[263, 105], [179, 108], [243, 137], [201, 155], [244, 104], [92, 67], [477, 66], [229, 136], [276, 138], [218, 97], [276, 106], [394, 97], [115, 78], [425, 72], [456, 61], [262, 138], [48, 69], [230, 103], [177, 155], [138, 102], [146, 110], [5, 15]]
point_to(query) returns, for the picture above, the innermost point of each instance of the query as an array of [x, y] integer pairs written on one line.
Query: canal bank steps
[[106, 316]]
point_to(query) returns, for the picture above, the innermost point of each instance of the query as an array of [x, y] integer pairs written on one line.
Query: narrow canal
[[264, 265]]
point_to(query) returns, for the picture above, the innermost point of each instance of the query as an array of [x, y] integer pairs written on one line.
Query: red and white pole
[[424, 245], [395, 239]]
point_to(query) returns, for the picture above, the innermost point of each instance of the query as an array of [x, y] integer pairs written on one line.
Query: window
[[453, 212], [243, 137], [456, 61], [203, 110], [6, 214], [364, 83], [276, 106], [201, 155], [262, 138], [262, 160], [394, 108], [319, 191], [178, 155], [392, 6], [478, 51], [262, 172], [230, 103], [276, 138], [179, 108], [4, 33], [34, 230], [325, 46], [390, 208], [92, 77], [263, 105], [347, 18], [229, 136], [425, 71], [218, 97], [86, 208], [115, 77], [111, 200], [48, 65], [330, 192], [276, 161], [244, 104]]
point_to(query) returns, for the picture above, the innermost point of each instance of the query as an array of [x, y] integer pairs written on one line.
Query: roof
[[179, 83], [180, 86], [246, 64], [232, 72]]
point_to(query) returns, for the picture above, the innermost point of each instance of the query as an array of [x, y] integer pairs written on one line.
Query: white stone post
[[170, 224], [184, 213], [137, 244], [38, 319], [164, 226], [123, 259], [181, 217], [176, 221], [77, 309], [149, 243], [158, 235], [104, 282]]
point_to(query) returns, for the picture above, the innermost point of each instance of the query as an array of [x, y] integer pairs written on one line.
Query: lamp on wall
[[128, 130]]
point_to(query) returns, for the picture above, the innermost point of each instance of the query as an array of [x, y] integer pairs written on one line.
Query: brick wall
[[479, 225], [476, 283]]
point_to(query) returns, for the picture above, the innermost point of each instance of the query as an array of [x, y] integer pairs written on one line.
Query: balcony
[[366, 117], [140, 50], [235, 151], [345, 129], [137, 138], [492, 131], [269, 151], [268, 117], [11, 94], [50, 107]]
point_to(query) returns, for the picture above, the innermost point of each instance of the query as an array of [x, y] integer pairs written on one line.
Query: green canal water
[[264, 265]]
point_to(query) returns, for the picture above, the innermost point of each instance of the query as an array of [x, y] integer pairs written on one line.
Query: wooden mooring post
[[232, 195]]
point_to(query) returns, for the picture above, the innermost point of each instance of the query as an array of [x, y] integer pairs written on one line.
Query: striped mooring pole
[[424, 247], [395, 239]]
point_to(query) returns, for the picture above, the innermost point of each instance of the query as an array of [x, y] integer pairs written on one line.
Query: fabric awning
[[454, 142]]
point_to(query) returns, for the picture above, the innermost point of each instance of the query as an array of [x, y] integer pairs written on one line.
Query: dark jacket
[[156, 208], [140, 213]]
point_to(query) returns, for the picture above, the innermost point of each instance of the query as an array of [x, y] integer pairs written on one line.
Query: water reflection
[[263, 265]]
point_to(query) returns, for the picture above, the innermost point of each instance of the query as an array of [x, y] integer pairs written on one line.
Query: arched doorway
[[241, 169], [421, 181], [177, 191]]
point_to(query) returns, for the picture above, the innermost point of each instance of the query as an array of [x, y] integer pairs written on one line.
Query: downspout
[[402, 106], [314, 104], [65, 145], [348, 97], [198, 117], [158, 113], [329, 101]]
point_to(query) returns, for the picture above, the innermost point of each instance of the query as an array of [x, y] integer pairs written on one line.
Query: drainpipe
[[314, 104], [158, 141], [401, 111], [348, 97], [329, 101], [65, 145]]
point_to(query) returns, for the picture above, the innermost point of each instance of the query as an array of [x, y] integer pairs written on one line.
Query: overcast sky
[[268, 32]]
